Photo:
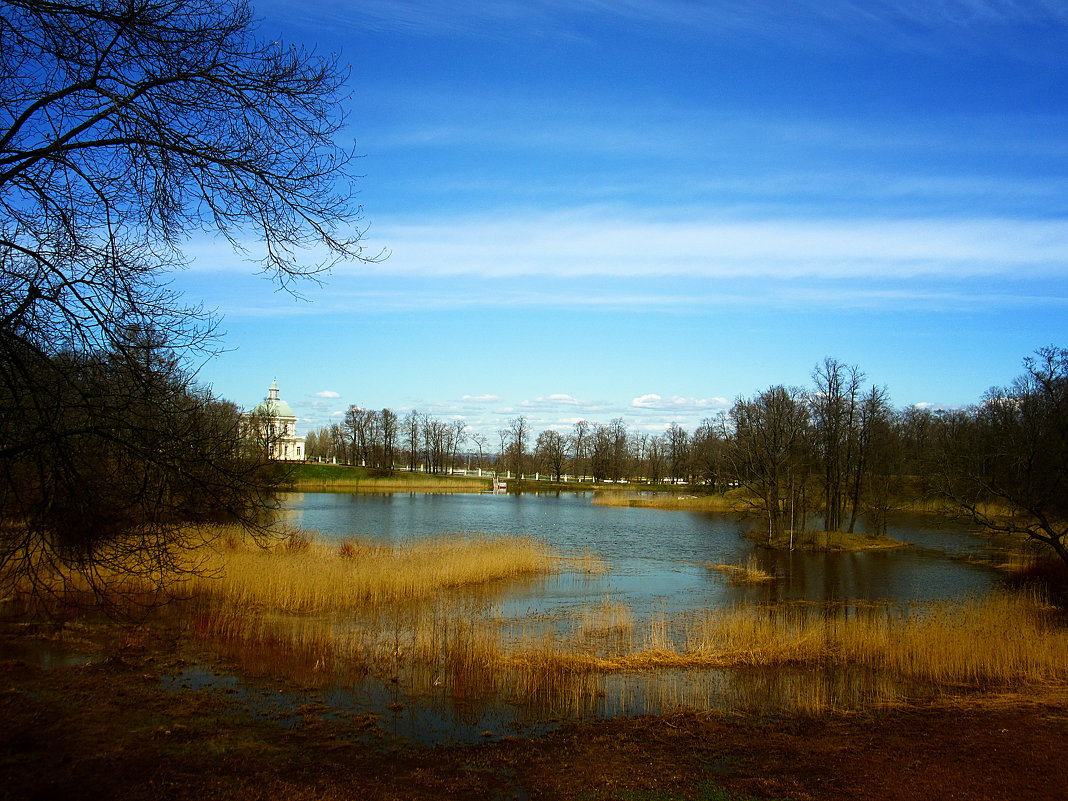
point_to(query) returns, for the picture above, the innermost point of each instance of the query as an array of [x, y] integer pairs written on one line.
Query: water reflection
[[661, 579], [663, 557]]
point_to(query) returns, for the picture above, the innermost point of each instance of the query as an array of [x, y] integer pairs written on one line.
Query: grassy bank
[[825, 541], [329, 477], [672, 500]]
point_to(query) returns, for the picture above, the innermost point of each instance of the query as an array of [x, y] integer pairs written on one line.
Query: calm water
[[660, 561], [660, 557]]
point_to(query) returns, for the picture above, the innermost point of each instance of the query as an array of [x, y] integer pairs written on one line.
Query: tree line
[[830, 455]]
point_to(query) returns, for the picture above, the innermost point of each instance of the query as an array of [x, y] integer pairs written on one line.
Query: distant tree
[[835, 412], [519, 436], [601, 448], [872, 455], [1005, 462], [707, 453], [552, 452], [390, 429], [412, 427], [580, 442], [459, 434], [619, 449], [655, 459], [480, 442], [767, 450], [678, 442]]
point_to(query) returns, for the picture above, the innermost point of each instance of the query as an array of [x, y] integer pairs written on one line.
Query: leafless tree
[[835, 414], [767, 449], [519, 436], [127, 127], [552, 452], [1005, 462]]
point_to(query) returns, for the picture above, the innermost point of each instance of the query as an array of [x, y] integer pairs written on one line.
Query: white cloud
[[597, 243], [328, 393], [480, 398], [677, 403]]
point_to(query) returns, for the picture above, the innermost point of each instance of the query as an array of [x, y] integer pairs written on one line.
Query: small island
[[824, 541]]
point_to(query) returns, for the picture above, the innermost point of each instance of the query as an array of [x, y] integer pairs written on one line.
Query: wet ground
[[127, 725]]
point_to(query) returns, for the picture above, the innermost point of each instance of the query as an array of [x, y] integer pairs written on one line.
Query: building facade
[[273, 426]]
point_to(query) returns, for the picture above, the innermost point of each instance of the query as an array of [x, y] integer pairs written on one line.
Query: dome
[[272, 405], [278, 408]]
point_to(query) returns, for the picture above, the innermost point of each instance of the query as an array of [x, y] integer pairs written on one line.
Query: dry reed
[[749, 573], [308, 575]]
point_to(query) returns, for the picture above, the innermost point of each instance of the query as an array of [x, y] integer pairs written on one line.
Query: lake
[[664, 557], [660, 563]]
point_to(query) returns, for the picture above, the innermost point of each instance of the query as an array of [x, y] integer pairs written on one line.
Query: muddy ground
[[106, 729]]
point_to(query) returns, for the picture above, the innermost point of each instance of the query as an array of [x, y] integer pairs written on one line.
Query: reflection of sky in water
[[661, 559]]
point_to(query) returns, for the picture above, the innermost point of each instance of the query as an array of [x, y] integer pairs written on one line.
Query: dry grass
[[672, 501], [996, 641], [825, 541], [396, 608], [424, 612], [308, 575], [749, 573]]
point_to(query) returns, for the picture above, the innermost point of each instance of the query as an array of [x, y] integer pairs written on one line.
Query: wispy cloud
[[678, 404], [480, 399], [588, 243], [328, 393]]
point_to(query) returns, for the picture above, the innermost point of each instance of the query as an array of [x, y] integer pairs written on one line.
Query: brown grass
[[825, 541], [309, 575], [672, 501], [749, 573], [424, 610], [997, 641]]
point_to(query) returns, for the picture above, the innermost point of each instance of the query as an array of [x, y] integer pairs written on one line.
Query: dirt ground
[[107, 730]]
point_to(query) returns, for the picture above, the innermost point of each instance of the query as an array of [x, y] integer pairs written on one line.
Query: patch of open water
[[658, 561]]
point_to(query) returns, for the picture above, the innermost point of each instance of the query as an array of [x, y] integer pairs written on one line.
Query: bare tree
[[519, 433], [835, 414], [580, 448], [767, 449], [389, 438], [678, 452], [458, 438], [125, 128], [552, 450], [1005, 462]]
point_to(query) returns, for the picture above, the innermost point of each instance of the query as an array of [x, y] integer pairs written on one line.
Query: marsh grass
[[811, 540], [749, 573], [426, 611], [672, 501], [306, 574], [425, 615]]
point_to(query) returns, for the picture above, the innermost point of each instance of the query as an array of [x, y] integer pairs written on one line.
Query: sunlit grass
[[319, 477], [814, 540], [672, 501], [427, 613], [391, 608], [306, 574], [749, 573]]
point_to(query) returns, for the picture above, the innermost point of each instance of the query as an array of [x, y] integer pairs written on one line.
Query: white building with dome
[[273, 424]]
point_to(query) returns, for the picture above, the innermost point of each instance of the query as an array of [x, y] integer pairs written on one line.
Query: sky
[[593, 209]]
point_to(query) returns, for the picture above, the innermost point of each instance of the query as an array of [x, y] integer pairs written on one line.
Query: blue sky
[[598, 209]]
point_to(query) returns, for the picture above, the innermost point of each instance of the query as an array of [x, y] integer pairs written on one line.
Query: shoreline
[[109, 729]]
